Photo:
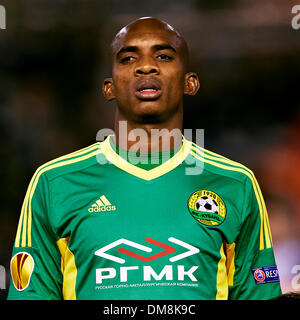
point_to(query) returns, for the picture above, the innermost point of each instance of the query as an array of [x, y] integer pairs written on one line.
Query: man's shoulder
[[71, 162], [222, 166]]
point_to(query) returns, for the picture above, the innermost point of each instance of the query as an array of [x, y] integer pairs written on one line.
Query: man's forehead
[[147, 30], [147, 39]]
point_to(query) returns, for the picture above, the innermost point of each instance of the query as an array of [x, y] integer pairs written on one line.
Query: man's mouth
[[148, 89]]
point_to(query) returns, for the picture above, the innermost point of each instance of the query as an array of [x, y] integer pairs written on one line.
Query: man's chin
[[149, 112], [148, 117]]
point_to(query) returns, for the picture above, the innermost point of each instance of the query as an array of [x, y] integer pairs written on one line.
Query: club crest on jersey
[[21, 267], [207, 207]]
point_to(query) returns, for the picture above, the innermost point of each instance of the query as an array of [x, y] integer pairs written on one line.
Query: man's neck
[[145, 137]]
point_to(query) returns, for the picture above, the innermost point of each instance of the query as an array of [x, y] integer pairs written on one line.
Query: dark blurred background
[[55, 55]]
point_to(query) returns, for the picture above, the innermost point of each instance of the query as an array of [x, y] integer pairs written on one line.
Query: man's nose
[[146, 66]]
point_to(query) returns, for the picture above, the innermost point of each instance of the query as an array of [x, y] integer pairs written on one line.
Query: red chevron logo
[[168, 250], [191, 250]]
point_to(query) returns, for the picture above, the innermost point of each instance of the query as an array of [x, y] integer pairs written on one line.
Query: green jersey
[[95, 225]]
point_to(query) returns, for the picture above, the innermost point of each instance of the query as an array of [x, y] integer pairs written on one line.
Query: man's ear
[[191, 83], [108, 89]]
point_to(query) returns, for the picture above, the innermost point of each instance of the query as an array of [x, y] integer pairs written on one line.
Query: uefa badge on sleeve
[[207, 207], [265, 274], [21, 267]]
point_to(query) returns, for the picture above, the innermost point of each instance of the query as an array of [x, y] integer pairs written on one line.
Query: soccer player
[[158, 218]]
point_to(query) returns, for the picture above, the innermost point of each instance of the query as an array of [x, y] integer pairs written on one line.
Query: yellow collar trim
[[151, 174]]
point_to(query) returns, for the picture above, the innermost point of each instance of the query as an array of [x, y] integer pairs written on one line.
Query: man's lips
[[148, 94], [148, 89]]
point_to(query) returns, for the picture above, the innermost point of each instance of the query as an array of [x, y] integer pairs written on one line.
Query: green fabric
[[138, 239], [144, 160]]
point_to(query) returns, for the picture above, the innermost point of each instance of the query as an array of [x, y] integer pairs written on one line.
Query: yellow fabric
[[68, 269]]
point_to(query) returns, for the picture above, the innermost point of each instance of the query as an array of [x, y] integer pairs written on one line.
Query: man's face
[[148, 76]]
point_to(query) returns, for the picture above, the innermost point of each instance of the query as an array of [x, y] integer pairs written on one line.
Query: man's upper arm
[[255, 271], [35, 264]]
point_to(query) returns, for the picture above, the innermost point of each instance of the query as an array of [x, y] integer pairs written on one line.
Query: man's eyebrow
[[127, 49], [156, 47], [164, 46]]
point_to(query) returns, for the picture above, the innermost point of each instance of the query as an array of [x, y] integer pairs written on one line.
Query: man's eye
[[127, 59], [164, 57]]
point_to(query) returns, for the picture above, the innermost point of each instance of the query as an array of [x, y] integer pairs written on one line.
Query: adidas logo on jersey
[[101, 205]]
